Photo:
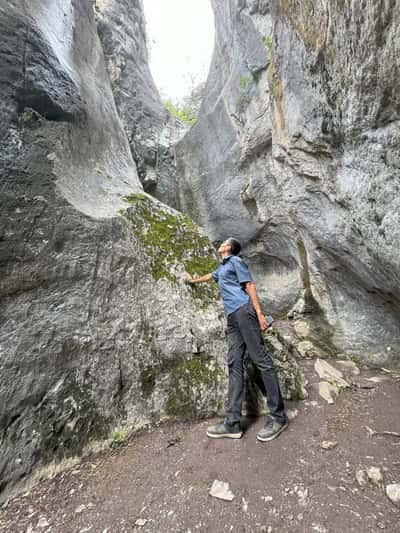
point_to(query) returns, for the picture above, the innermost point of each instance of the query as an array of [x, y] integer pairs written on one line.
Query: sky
[[180, 41]]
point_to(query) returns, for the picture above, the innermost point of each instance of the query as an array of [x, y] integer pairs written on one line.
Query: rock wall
[[97, 324], [98, 328], [151, 130], [295, 153]]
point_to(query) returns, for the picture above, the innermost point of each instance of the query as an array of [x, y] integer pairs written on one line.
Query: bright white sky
[[181, 40]]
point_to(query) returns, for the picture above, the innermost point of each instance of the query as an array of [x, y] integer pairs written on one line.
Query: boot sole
[[224, 435], [272, 437]]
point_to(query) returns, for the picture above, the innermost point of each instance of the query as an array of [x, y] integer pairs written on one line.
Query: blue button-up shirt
[[231, 274]]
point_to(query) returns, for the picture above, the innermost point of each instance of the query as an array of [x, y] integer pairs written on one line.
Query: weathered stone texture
[[151, 130], [295, 153], [93, 336]]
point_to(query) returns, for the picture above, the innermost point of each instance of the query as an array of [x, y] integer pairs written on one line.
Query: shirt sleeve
[[215, 275], [242, 270]]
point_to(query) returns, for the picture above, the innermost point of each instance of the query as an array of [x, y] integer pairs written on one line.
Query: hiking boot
[[271, 430], [224, 430]]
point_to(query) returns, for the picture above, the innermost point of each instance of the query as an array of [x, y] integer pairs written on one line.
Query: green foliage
[[183, 112], [267, 40], [244, 83], [119, 437], [187, 109]]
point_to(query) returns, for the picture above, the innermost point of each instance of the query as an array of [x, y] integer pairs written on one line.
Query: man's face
[[224, 249]]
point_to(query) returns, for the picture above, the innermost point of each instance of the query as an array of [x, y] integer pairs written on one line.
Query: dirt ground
[[160, 480]]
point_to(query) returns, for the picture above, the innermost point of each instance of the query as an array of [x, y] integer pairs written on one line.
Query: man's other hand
[[189, 278], [263, 322]]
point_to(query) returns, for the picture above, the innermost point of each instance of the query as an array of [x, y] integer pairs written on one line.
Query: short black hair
[[235, 245]]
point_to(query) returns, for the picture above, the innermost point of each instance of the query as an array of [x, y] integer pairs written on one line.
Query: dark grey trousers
[[244, 332]]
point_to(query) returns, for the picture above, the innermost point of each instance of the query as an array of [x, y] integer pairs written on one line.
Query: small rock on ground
[[220, 489], [393, 492]]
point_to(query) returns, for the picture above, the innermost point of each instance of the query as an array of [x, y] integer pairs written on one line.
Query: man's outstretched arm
[[191, 279], [252, 292]]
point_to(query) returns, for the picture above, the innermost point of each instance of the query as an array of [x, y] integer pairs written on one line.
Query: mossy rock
[[172, 243], [192, 385]]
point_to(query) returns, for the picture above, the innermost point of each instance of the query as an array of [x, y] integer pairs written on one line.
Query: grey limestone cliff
[[96, 321], [151, 130], [97, 327], [296, 153]]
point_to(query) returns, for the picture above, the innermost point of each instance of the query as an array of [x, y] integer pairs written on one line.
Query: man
[[245, 324]]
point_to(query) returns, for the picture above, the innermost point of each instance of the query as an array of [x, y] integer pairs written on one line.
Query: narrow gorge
[[106, 201]]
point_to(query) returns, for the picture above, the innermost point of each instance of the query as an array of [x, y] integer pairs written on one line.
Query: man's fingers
[[263, 325]]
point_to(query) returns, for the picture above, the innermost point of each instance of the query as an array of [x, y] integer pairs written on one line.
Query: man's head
[[229, 247]]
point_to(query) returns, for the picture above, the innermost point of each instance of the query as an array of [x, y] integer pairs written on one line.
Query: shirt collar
[[226, 259]]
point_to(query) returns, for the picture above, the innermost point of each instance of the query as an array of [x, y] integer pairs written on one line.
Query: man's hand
[[189, 278], [264, 325], [252, 292]]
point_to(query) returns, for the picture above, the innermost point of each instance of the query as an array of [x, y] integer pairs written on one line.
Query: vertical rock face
[[295, 153], [149, 127], [336, 111], [96, 322]]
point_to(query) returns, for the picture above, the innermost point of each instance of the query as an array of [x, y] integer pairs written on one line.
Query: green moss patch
[[172, 241], [191, 383]]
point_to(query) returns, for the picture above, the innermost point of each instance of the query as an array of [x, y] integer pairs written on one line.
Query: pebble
[[325, 390], [220, 489], [330, 373], [292, 413], [267, 498], [361, 477], [375, 475], [245, 505], [302, 494], [328, 444], [80, 509], [140, 522], [43, 523], [393, 492], [372, 473], [376, 379]]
